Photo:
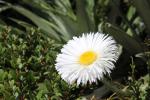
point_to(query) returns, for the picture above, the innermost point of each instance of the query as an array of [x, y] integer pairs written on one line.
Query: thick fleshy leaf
[[143, 8], [121, 37]]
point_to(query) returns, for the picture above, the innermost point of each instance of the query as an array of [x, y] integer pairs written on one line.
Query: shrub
[[27, 67]]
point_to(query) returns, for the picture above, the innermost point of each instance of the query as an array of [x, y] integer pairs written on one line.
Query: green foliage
[[59, 24], [121, 37], [140, 88], [27, 55], [27, 67]]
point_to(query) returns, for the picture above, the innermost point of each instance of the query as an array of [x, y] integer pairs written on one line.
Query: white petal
[[67, 63]]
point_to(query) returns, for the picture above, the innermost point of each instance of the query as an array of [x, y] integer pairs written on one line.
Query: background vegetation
[[32, 33]]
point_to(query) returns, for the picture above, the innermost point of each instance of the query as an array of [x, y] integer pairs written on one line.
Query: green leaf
[[3, 75], [83, 18], [61, 26], [22, 23], [40, 22], [131, 12], [61, 16], [121, 37], [42, 90], [143, 8], [4, 8]]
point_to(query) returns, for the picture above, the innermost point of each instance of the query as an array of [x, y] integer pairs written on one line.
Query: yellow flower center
[[87, 57]]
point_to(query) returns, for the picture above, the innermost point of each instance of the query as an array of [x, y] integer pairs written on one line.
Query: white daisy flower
[[87, 58]]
